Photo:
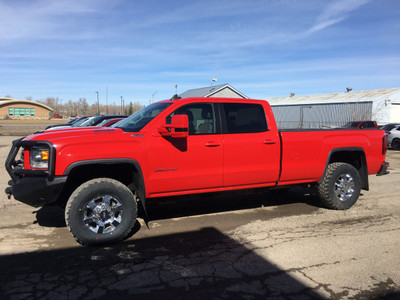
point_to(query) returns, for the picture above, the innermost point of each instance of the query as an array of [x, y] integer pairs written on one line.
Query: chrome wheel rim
[[103, 214], [344, 187]]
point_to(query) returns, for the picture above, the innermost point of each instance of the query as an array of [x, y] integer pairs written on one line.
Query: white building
[[330, 110]]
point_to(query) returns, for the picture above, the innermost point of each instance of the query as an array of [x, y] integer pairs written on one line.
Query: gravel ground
[[25, 127], [241, 247]]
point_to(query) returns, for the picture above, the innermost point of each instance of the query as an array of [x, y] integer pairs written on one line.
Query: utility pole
[[98, 104], [107, 100]]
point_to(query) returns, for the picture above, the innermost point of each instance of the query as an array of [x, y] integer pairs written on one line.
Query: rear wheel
[[101, 211], [340, 187], [396, 144]]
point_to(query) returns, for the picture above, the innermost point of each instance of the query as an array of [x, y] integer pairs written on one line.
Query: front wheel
[[101, 211], [340, 187]]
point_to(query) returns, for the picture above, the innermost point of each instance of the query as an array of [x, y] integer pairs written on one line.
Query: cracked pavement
[[233, 246]]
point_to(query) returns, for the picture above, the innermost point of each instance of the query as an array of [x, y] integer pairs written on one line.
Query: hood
[[89, 144], [85, 133]]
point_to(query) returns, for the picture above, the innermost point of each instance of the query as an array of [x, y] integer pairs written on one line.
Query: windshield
[[70, 122], [140, 118], [106, 121], [79, 122], [91, 122], [389, 127]]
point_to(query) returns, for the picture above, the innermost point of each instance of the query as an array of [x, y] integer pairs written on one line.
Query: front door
[[192, 163]]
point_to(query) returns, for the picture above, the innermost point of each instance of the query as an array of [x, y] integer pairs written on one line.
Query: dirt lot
[[242, 245], [25, 127]]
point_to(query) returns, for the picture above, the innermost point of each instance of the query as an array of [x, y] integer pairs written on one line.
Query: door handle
[[212, 144], [269, 142]]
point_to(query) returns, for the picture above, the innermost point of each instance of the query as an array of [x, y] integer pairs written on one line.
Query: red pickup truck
[[362, 125], [184, 146]]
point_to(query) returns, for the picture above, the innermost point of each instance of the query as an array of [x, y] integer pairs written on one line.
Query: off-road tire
[[340, 187], [101, 211]]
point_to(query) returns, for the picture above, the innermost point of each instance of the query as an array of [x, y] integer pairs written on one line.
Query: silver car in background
[[394, 138]]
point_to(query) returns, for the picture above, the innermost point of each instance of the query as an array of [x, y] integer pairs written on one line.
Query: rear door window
[[244, 118]]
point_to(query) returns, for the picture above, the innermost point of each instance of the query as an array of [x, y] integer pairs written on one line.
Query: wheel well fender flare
[[354, 156], [141, 188]]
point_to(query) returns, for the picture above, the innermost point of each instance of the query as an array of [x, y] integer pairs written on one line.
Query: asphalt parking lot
[[250, 245]]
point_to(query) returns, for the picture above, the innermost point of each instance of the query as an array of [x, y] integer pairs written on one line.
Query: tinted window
[[80, 121], [201, 117], [244, 118], [389, 127], [367, 125], [352, 124]]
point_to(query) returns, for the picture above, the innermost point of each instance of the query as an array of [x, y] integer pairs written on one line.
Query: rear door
[[251, 150]]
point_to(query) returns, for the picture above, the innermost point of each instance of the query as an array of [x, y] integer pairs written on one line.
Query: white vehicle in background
[[92, 121], [389, 127], [394, 138], [76, 124], [69, 123]]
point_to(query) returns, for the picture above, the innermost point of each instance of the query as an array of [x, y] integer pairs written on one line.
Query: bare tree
[[83, 106], [136, 106]]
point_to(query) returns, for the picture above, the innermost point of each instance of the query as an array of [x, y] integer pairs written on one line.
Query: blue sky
[[70, 49]]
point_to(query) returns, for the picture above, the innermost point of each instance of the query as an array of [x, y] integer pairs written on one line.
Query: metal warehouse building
[[334, 110]]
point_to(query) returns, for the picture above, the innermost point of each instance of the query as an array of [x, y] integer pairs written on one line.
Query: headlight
[[39, 157]]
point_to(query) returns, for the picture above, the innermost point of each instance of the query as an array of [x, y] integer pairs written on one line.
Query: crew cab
[[184, 146]]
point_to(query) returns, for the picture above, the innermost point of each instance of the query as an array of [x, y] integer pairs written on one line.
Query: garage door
[[395, 113]]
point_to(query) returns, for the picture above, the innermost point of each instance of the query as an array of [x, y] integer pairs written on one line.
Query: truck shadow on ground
[[202, 264], [192, 205]]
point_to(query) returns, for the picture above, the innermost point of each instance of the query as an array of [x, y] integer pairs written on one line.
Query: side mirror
[[179, 127]]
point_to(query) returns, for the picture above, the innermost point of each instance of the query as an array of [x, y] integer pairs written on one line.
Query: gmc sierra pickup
[[184, 146]]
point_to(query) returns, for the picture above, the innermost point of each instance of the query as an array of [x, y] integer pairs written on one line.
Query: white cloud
[[336, 12], [137, 47], [44, 19], [203, 10]]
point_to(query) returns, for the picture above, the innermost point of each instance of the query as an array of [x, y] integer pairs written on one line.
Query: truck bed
[[306, 151]]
